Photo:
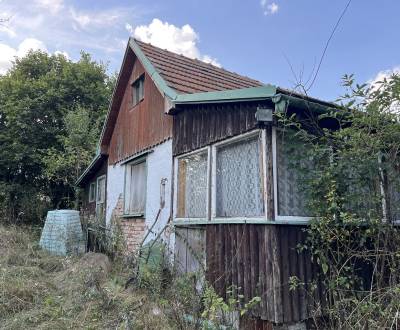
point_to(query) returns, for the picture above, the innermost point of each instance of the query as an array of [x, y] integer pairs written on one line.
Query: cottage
[[197, 146]]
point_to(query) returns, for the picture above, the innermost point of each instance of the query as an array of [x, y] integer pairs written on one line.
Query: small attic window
[[138, 90]]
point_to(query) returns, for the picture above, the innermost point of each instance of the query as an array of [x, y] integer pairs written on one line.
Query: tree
[[41, 97]]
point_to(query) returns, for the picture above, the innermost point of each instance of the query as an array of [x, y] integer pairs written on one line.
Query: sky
[[278, 42]]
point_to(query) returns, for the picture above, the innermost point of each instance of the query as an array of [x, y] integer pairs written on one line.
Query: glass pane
[[239, 180], [192, 186], [291, 164], [101, 190], [137, 188]]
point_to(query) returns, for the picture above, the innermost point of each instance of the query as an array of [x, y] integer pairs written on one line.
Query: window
[[101, 189], [192, 186], [138, 90], [239, 179], [292, 165], [101, 198], [92, 192], [135, 188], [222, 181]]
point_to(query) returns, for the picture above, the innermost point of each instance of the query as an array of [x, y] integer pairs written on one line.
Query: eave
[[91, 169]]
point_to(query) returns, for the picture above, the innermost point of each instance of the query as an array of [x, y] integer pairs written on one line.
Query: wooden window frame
[[93, 191], [211, 180], [176, 184], [137, 86], [130, 164]]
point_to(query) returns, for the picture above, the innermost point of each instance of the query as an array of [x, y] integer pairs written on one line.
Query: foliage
[[219, 311], [50, 110], [354, 192]]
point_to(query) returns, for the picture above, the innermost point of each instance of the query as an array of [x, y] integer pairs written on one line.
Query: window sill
[[135, 215], [189, 222]]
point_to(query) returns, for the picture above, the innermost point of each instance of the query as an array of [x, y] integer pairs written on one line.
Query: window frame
[[261, 139], [291, 218], [129, 164], [93, 191], [211, 150], [137, 85], [176, 184]]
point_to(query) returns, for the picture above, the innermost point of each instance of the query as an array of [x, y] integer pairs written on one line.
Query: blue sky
[[254, 38]]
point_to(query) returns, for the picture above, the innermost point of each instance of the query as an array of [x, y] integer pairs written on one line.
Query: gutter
[[282, 101]]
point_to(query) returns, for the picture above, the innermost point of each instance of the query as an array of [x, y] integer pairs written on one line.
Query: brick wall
[[132, 229]]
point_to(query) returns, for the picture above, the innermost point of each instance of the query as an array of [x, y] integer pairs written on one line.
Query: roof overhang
[[233, 95], [93, 167]]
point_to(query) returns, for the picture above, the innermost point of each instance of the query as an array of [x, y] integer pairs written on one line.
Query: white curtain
[[135, 188], [239, 180]]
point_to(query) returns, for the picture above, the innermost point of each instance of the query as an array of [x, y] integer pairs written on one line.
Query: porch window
[[192, 186], [138, 90], [135, 188], [291, 167], [92, 192], [239, 179]]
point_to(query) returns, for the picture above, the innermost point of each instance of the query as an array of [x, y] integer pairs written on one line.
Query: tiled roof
[[186, 75]]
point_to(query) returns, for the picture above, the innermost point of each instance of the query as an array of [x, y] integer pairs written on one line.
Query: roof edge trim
[[261, 92], [94, 161], [151, 70]]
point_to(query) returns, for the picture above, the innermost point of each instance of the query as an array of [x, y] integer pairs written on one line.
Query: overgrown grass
[[40, 291]]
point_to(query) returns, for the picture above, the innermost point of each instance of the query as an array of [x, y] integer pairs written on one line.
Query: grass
[[40, 291]]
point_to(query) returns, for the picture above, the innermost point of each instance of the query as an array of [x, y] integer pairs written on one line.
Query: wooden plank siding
[[260, 259], [140, 127], [89, 208], [190, 249], [200, 125]]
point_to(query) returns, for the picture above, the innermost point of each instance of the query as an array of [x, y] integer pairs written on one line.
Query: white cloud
[[269, 8], [8, 54], [376, 82], [63, 25], [382, 75], [53, 6], [97, 19], [181, 40], [63, 53]]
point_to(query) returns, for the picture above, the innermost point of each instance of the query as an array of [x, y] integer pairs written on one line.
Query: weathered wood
[[269, 174], [180, 249], [181, 189], [293, 271], [260, 259], [201, 125], [139, 127], [195, 255]]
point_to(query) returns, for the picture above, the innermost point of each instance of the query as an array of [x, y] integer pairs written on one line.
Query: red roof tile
[[186, 75]]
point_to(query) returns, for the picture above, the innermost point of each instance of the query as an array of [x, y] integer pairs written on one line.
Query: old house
[[196, 146], [130, 179]]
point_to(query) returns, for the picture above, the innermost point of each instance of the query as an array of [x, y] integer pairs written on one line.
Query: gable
[[141, 126]]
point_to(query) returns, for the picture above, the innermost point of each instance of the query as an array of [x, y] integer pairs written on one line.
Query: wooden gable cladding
[[142, 126], [260, 259], [200, 125]]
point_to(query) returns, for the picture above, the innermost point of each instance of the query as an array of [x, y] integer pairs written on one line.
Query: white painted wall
[[115, 187], [159, 166]]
